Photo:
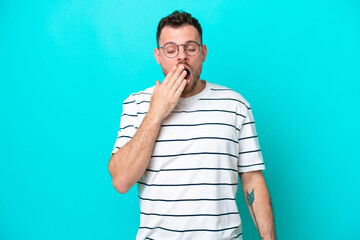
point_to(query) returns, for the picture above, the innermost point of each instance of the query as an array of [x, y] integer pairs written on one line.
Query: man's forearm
[[259, 203], [128, 164]]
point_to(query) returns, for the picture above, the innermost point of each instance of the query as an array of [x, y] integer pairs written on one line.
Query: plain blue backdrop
[[67, 66]]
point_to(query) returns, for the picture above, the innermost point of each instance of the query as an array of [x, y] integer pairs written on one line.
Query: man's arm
[[259, 203], [129, 163]]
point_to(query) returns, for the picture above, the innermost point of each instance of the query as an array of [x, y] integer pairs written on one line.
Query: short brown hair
[[178, 19]]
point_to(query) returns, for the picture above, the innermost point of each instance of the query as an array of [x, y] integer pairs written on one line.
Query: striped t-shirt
[[188, 189]]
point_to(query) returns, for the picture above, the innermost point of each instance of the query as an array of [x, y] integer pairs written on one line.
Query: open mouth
[[187, 77]]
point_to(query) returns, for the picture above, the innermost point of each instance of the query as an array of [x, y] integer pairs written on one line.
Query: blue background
[[67, 66]]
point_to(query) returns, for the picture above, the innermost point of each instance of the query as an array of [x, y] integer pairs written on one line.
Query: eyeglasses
[[171, 50]]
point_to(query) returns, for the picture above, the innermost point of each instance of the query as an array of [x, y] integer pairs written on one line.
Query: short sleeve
[[128, 123], [250, 156]]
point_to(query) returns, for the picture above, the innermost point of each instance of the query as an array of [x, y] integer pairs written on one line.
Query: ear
[[204, 52], [157, 55]]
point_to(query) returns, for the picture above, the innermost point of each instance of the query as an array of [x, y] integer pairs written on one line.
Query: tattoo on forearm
[[250, 200]]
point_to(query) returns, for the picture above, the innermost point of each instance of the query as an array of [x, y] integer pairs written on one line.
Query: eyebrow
[[189, 41]]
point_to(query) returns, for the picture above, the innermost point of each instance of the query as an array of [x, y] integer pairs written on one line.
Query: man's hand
[[166, 95]]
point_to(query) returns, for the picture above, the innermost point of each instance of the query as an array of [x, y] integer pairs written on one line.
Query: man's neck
[[198, 89]]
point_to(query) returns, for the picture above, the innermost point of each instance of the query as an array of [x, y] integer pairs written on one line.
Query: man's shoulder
[[145, 92], [222, 92], [143, 95]]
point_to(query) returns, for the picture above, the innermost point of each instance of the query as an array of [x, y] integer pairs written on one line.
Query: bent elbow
[[120, 186], [120, 181]]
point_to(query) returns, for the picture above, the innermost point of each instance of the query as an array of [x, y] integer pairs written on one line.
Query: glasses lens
[[191, 49], [171, 50]]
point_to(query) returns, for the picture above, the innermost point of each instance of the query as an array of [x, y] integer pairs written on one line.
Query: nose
[[182, 54]]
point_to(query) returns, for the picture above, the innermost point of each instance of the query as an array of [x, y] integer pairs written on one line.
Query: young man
[[184, 141]]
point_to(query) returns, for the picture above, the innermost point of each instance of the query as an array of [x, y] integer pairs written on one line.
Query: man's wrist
[[153, 118]]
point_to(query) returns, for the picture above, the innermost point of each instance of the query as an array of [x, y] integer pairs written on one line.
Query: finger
[[155, 88], [169, 75], [176, 75], [180, 89], [178, 81]]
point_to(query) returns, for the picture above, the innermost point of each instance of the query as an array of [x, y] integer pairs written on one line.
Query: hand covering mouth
[[187, 69]]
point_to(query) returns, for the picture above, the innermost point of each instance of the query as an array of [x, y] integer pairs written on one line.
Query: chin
[[190, 86]]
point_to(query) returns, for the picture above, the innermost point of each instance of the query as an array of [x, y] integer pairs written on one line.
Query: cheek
[[166, 63], [165, 66], [197, 66], [198, 61]]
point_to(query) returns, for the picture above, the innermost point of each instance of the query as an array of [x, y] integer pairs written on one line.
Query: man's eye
[[191, 47], [170, 49]]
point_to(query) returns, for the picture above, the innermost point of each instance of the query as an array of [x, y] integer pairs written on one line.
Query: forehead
[[179, 35]]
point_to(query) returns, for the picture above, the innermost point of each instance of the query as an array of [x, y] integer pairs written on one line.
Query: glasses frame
[[178, 45]]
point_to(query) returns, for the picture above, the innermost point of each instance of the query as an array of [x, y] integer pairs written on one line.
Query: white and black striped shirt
[[188, 190]]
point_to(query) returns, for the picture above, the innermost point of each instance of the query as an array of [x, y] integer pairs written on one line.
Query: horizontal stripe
[[124, 114], [250, 151], [143, 102], [247, 137], [188, 184], [140, 93], [190, 139], [129, 102], [209, 110], [191, 215], [128, 127], [191, 169], [137, 102], [248, 123], [230, 99], [194, 111], [124, 136], [190, 230], [198, 124], [185, 200], [242, 166], [197, 153], [222, 89]]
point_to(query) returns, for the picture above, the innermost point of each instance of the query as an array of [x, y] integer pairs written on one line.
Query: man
[[184, 141]]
